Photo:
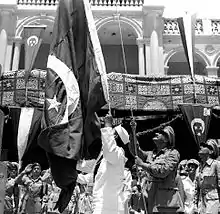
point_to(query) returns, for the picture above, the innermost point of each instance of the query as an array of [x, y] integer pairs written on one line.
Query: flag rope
[[133, 122], [124, 56]]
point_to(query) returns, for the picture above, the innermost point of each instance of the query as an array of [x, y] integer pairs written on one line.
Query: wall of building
[[114, 58]]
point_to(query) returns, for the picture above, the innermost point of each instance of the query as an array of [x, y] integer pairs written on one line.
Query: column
[[147, 56], [8, 56], [16, 57], [153, 31], [212, 71], [154, 54], [140, 43], [166, 69], [3, 50]]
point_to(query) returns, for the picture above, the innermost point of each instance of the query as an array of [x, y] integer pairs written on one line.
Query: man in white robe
[[111, 186]]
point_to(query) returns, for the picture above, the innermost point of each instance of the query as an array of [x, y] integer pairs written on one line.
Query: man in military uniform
[[160, 166], [207, 186]]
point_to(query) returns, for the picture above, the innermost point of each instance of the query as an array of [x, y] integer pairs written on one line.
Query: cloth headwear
[[123, 134], [214, 145], [182, 166], [86, 165], [183, 162], [193, 161], [204, 150], [36, 164], [169, 132], [12, 166]]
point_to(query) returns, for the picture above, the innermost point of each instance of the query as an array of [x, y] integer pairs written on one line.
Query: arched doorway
[[109, 35], [178, 65]]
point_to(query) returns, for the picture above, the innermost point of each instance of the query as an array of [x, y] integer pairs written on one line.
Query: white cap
[[123, 134], [86, 165]]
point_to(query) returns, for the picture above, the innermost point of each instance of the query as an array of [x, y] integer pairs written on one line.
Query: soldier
[[207, 186], [160, 166]]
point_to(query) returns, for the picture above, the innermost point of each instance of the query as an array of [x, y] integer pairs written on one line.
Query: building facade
[[135, 36]]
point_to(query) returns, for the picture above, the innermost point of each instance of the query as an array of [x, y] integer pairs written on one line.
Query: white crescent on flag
[[69, 80]]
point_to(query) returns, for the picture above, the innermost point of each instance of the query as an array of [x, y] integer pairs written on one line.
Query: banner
[[3, 177], [187, 32], [197, 118], [2, 121], [33, 38]]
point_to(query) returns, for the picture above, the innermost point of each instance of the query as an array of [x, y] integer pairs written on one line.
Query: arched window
[[109, 36], [178, 65]]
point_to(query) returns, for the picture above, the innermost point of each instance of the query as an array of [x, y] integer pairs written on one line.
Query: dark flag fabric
[[76, 87], [2, 121], [21, 131], [186, 26], [33, 39], [197, 117]]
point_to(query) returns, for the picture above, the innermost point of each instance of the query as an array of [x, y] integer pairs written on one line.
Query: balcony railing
[[171, 27], [38, 2], [93, 2]]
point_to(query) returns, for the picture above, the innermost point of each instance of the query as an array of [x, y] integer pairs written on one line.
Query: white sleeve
[[85, 179], [111, 152]]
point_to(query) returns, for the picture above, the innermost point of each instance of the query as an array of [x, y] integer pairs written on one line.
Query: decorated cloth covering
[[160, 93], [13, 90], [143, 93]]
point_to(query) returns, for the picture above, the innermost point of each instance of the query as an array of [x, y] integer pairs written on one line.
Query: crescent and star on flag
[[53, 103]]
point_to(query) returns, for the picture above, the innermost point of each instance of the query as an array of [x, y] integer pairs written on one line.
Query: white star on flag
[[53, 103]]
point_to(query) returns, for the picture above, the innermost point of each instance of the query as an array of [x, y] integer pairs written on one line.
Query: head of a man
[[204, 153], [164, 138], [36, 170], [192, 165]]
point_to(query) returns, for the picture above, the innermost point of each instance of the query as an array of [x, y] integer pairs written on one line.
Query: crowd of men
[[125, 179]]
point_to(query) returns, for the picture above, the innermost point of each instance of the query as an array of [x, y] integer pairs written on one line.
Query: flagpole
[[194, 90]]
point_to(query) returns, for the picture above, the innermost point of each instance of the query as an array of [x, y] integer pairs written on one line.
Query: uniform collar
[[161, 151], [209, 161]]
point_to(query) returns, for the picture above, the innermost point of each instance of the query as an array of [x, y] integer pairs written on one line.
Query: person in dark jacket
[[160, 166]]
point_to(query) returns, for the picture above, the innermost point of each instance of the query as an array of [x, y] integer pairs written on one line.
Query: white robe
[[108, 191]]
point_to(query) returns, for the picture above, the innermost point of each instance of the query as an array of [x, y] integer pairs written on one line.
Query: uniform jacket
[[161, 188], [207, 187], [109, 186]]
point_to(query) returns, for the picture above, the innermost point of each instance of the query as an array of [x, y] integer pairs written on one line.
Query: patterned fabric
[[126, 90], [13, 90], [160, 93]]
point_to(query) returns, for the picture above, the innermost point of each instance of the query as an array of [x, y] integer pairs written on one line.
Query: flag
[[76, 87], [33, 39], [2, 121], [197, 117], [187, 32], [3, 52], [21, 131]]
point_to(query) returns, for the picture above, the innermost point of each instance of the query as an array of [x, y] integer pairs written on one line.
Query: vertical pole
[[133, 127]]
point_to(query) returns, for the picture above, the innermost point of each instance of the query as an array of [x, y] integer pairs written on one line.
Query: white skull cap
[[123, 134]]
